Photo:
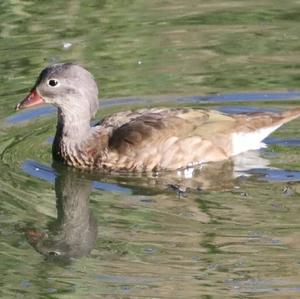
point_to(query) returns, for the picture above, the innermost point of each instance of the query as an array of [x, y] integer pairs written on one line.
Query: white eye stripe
[[53, 82]]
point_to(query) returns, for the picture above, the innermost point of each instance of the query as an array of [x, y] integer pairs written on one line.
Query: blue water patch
[[110, 187], [242, 97], [41, 171], [276, 175], [30, 114], [244, 109], [47, 173], [280, 141]]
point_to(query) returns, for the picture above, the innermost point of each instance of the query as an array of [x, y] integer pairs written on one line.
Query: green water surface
[[69, 234]]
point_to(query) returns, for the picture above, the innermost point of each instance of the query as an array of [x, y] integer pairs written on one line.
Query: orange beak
[[33, 99]]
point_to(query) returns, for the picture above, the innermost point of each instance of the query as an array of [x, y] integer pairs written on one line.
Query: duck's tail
[[255, 127], [289, 115]]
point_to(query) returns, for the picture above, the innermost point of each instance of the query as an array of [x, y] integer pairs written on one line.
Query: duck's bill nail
[[33, 99]]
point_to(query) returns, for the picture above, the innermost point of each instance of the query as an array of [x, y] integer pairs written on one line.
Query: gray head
[[67, 86]]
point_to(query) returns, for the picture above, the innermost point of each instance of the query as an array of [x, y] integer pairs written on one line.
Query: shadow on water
[[73, 234]]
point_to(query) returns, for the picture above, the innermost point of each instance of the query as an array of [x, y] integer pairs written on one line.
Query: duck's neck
[[72, 126], [73, 130]]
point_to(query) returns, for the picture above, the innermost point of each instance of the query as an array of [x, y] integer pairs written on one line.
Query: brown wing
[[153, 126], [166, 139]]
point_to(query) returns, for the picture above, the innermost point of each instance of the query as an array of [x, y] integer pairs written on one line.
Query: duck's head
[[67, 86]]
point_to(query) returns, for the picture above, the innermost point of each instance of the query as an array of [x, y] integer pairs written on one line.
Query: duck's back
[[166, 138]]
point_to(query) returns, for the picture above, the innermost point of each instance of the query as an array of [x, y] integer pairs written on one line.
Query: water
[[229, 230]]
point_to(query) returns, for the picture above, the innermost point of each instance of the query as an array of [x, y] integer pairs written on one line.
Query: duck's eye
[[53, 82]]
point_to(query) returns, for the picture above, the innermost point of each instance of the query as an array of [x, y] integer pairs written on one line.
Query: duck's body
[[142, 140], [164, 139], [148, 140]]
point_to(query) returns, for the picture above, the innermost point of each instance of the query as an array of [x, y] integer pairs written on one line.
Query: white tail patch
[[245, 141]]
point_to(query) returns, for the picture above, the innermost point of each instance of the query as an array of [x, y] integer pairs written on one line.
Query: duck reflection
[[215, 176], [74, 232]]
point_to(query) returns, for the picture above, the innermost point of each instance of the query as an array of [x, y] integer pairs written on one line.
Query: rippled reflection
[[73, 234]]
